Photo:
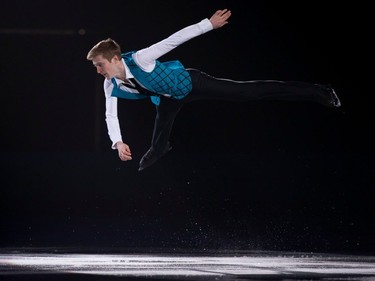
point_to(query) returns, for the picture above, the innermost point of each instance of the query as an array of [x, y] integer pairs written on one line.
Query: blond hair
[[108, 48]]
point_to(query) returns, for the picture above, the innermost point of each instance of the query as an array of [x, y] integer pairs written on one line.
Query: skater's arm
[[113, 124], [145, 58]]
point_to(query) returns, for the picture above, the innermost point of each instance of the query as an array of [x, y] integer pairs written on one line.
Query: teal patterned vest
[[169, 78], [119, 93]]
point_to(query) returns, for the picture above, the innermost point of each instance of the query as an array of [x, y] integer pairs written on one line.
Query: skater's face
[[108, 69]]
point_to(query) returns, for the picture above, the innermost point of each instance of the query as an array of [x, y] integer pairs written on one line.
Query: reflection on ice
[[252, 264]]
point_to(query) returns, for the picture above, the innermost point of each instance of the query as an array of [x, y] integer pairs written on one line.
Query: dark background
[[241, 176]]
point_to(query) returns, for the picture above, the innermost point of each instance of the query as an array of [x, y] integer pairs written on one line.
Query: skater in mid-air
[[169, 85]]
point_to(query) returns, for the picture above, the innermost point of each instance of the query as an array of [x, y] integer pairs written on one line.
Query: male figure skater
[[139, 74]]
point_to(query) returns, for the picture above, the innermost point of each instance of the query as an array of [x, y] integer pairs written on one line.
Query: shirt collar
[[128, 74]]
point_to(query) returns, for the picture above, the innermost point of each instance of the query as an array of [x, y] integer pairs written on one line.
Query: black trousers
[[206, 87]]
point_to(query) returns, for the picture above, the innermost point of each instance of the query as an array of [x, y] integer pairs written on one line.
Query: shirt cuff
[[205, 25], [114, 143]]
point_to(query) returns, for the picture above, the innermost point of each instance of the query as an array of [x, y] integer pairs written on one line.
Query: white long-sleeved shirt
[[146, 60]]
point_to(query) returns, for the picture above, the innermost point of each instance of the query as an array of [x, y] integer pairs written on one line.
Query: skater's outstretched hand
[[220, 18]]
